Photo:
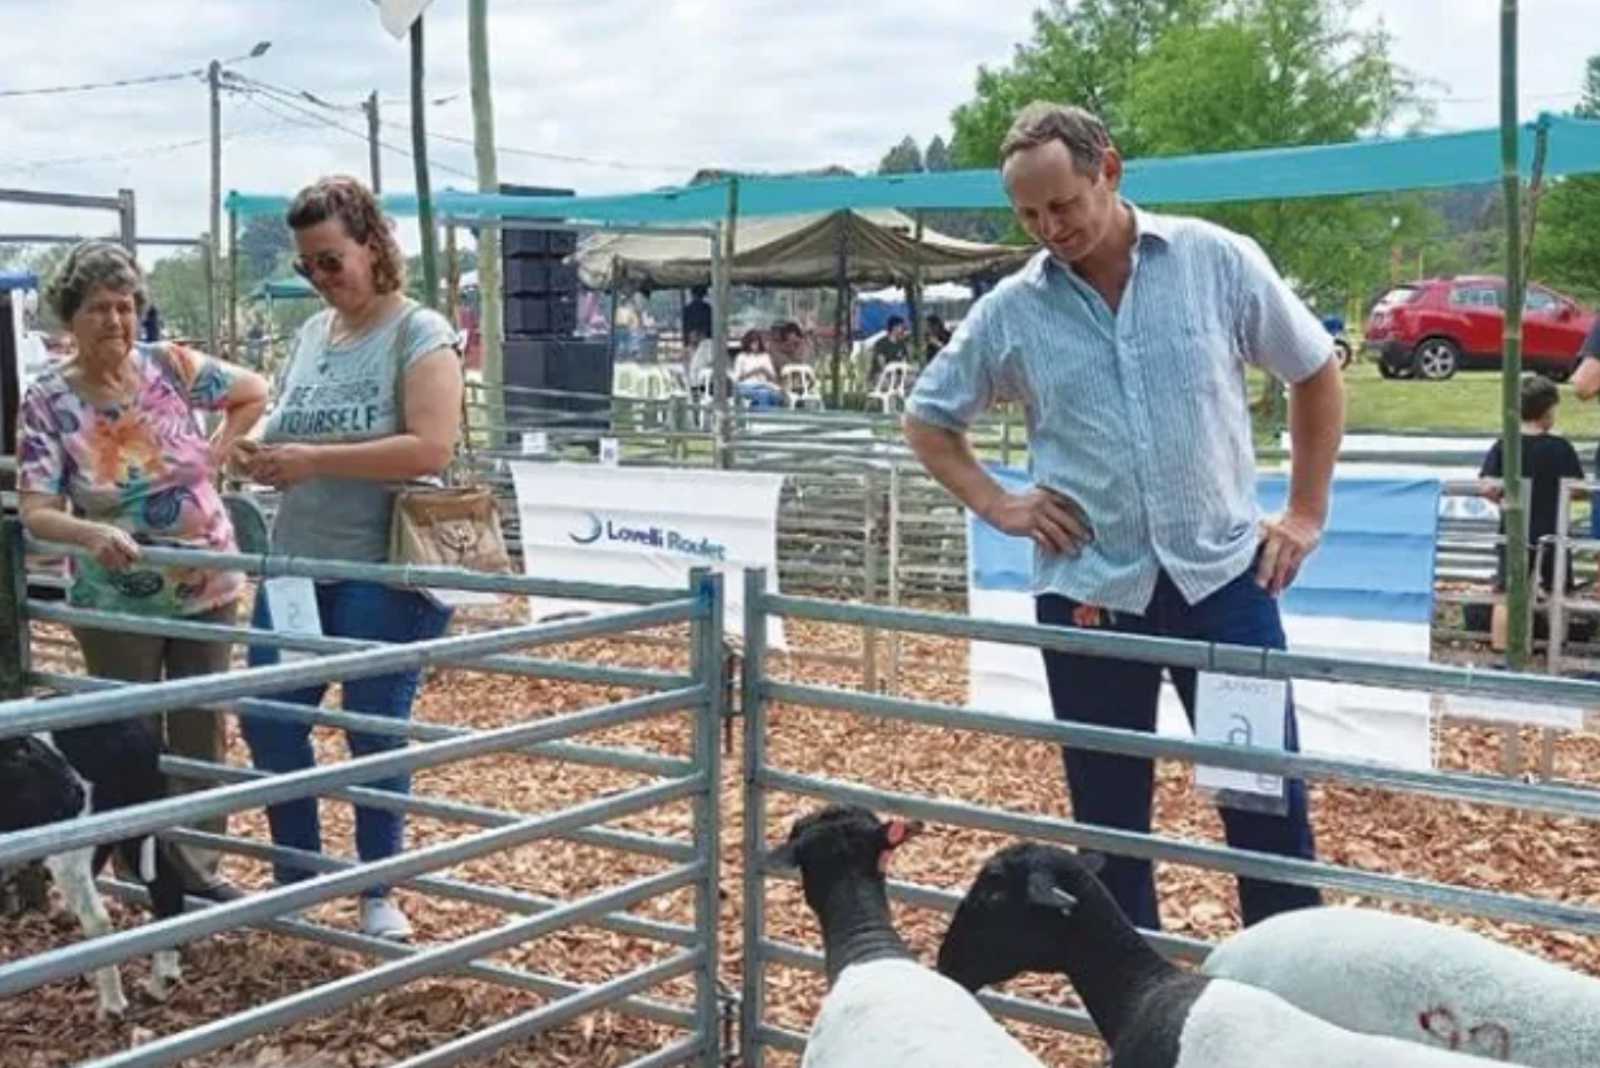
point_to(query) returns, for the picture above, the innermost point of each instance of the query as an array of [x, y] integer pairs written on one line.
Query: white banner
[[647, 526], [398, 15]]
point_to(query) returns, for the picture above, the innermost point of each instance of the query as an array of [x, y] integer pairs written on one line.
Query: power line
[[134, 153], [317, 119], [123, 83], [557, 157]]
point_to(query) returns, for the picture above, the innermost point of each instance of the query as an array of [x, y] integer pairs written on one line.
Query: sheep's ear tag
[[895, 834], [1042, 890]]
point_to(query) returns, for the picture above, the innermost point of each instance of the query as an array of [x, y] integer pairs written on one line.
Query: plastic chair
[[893, 383], [802, 386]]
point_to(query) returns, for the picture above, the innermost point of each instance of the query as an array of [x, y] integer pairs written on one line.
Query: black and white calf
[[883, 1009], [1036, 908], [72, 773]]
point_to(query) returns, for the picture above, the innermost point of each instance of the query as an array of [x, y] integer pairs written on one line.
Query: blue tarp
[[1371, 166], [18, 280], [1376, 561]]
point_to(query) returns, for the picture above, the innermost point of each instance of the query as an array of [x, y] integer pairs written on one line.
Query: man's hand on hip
[[1286, 541], [1055, 522]]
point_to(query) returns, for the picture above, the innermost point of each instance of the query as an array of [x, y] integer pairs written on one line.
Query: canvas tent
[[877, 244]]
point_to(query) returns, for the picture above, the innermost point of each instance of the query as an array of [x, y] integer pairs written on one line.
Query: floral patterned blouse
[[144, 467]]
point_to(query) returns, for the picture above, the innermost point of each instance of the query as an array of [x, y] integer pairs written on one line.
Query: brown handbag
[[455, 525]]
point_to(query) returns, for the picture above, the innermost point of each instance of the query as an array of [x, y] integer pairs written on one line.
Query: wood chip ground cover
[[1542, 857]]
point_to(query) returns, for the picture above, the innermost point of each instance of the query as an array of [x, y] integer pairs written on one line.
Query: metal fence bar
[[323, 999], [622, 759], [440, 809], [1217, 858], [406, 576], [55, 612], [81, 957], [752, 705], [707, 641], [680, 1052], [386, 949], [558, 1012], [1475, 789], [1205, 656], [518, 901], [29, 715], [154, 816]]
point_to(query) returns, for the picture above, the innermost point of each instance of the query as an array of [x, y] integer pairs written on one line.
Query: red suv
[[1433, 328]]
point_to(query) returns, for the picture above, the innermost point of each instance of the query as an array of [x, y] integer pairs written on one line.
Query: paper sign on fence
[[535, 442], [647, 526], [610, 455], [292, 604], [1241, 711]]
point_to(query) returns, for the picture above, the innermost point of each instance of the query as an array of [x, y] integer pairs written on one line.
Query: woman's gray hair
[[94, 265]]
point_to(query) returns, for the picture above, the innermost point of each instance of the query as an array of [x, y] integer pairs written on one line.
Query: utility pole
[[489, 287], [214, 234], [371, 109], [1513, 509]]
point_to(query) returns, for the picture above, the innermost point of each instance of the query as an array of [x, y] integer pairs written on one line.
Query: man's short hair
[[894, 321], [1041, 122], [1539, 395], [790, 329]]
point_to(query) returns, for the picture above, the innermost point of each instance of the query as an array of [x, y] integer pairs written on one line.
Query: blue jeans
[[760, 395], [372, 612], [1115, 791]]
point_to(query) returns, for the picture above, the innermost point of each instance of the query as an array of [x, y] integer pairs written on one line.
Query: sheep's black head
[[1016, 917], [841, 841]]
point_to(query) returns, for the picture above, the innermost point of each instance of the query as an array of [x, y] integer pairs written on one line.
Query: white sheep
[[1038, 908], [883, 1009], [1384, 974]]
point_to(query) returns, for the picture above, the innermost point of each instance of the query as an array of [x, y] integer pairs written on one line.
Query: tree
[[264, 243], [904, 158], [937, 156], [1083, 53], [1566, 248], [177, 286]]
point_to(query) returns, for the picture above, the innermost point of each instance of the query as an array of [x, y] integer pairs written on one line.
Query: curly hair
[[94, 265], [352, 203]]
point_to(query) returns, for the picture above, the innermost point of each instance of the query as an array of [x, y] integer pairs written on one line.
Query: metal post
[[752, 705], [722, 254], [1517, 598], [128, 220], [914, 293], [894, 574], [233, 286], [869, 581], [211, 268], [13, 611], [709, 668], [1558, 576], [214, 230]]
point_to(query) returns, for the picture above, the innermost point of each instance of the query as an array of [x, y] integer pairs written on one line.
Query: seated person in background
[[696, 315], [1547, 458], [938, 336], [892, 347], [788, 345], [753, 374]]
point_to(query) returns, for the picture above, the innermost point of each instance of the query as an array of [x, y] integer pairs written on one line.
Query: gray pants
[[190, 732]]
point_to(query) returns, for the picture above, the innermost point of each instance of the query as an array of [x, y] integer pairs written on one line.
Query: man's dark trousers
[[1115, 791]]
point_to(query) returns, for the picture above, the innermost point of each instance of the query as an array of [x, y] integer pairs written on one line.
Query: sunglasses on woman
[[329, 263]]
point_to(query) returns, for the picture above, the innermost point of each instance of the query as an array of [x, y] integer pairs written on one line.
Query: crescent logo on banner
[[398, 15], [647, 527]]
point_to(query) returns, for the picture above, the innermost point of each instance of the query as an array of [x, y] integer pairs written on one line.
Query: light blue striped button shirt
[[1141, 415]]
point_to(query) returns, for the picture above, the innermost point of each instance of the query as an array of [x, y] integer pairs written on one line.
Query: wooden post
[[841, 315], [233, 286], [914, 293], [419, 152], [214, 234], [374, 162], [491, 306], [1515, 508], [452, 278], [722, 285]]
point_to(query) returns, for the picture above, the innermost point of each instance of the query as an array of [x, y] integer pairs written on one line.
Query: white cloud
[[664, 85]]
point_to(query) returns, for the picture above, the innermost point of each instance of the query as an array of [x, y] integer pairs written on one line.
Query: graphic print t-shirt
[[143, 466], [345, 393]]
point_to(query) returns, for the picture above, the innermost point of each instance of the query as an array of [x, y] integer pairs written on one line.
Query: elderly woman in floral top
[[112, 458]]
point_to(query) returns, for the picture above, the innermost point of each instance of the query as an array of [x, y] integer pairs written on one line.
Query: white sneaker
[[381, 918]]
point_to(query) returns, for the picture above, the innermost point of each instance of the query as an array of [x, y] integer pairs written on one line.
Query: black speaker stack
[[541, 320]]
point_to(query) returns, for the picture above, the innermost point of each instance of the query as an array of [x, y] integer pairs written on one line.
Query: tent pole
[[915, 295], [722, 252], [841, 316], [1514, 508]]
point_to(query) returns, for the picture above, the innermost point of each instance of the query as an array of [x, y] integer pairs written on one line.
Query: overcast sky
[[644, 90]]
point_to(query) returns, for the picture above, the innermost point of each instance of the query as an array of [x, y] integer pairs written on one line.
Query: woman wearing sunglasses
[[371, 398]]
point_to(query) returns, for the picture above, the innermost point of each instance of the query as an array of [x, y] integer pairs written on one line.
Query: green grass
[[1469, 402]]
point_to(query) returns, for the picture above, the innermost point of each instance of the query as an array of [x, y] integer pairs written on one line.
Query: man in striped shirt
[[1126, 341]]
